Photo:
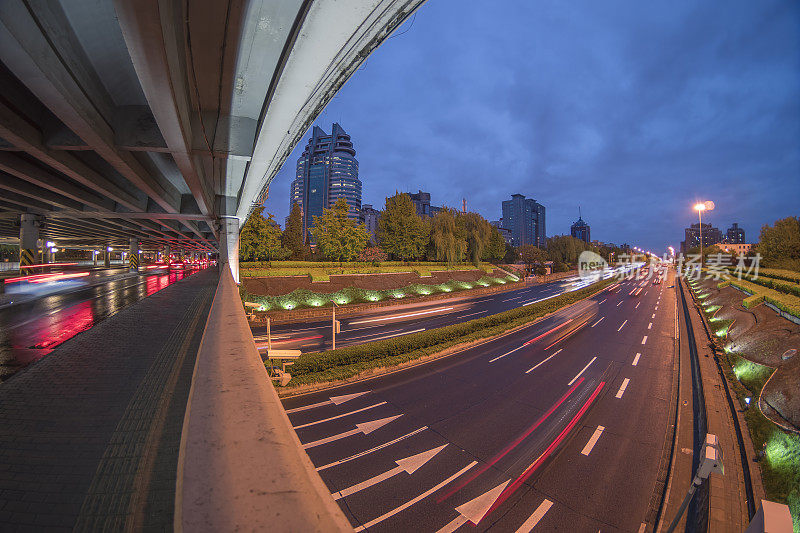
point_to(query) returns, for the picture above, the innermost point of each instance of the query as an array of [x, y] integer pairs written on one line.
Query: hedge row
[[784, 284], [777, 273], [784, 302], [350, 264], [350, 361], [304, 298]]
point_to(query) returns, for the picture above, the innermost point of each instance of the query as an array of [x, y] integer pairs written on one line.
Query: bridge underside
[[165, 120]]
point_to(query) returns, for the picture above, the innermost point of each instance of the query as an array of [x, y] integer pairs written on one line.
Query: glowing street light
[[708, 205]]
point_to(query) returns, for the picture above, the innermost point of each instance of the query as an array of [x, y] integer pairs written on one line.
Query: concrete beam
[[136, 129], [11, 183], [154, 36], [22, 134], [16, 166], [43, 52]]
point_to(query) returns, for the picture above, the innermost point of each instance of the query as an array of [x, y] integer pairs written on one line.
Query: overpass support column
[[133, 255], [107, 257], [28, 239], [229, 244]]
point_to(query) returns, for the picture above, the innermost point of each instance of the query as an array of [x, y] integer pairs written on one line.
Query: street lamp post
[[708, 205]]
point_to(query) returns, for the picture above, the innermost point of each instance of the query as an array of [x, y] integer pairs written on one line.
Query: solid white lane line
[[505, 354], [650, 325], [620, 303], [592, 440], [364, 427], [375, 449], [543, 362], [622, 387], [536, 301], [637, 305], [438, 309], [415, 500], [623, 325], [636, 359], [601, 319], [339, 416], [537, 515], [388, 336], [644, 340], [581, 372], [334, 400], [408, 464]]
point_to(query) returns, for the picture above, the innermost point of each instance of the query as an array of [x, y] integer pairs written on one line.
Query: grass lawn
[[321, 271]]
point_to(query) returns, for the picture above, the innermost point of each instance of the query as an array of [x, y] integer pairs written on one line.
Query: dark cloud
[[630, 110]]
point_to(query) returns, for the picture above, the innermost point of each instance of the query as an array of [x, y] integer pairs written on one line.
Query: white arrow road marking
[[636, 359], [593, 440], [375, 449], [581, 372], [334, 400], [537, 515], [409, 464], [644, 340], [622, 326], [339, 416], [543, 362], [415, 500], [622, 387], [365, 427], [475, 509]]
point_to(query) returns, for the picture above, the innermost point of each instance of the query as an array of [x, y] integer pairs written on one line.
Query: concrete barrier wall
[[241, 466]]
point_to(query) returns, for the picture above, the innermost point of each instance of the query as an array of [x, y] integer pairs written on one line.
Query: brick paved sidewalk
[[89, 435]]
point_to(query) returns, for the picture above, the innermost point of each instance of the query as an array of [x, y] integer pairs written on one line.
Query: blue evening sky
[[632, 110]]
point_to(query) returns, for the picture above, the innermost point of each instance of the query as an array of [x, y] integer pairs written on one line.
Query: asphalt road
[[32, 329], [550, 428], [388, 322]]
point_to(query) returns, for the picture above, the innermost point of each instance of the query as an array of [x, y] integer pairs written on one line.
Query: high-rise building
[[506, 233], [326, 171], [581, 230], [369, 217], [422, 203], [711, 235], [525, 218], [735, 235]]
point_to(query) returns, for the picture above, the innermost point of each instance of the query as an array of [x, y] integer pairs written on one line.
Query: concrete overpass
[[164, 121], [160, 123]]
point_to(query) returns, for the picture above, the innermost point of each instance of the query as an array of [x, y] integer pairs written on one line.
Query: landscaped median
[[777, 445], [352, 361]]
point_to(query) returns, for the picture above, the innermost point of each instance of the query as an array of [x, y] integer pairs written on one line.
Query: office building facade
[[326, 171], [581, 230], [735, 235], [525, 219], [370, 217], [422, 203], [711, 235]]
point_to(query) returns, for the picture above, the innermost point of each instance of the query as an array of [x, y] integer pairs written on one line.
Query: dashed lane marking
[[636, 359], [534, 519], [543, 362], [644, 340], [622, 326], [592, 440], [581, 372], [622, 387]]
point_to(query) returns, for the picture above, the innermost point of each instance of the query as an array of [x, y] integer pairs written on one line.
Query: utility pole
[[336, 326], [269, 334]]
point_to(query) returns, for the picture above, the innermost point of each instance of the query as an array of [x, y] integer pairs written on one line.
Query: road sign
[[283, 354]]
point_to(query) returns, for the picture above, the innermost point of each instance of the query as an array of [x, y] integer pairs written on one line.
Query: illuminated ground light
[[704, 295], [315, 303], [289, 305], [714, 319], [783, 450], [482, 283], [466, 285], [722, 332], [424, 291], [728, 349], [712, 308], [263, 307], [342, 301], [398, 295]]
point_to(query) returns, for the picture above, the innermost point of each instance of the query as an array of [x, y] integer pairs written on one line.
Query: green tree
[[447, 238], [401, 232], [565, 248], [532, 255], [496, 249], [338, 237], [478, 232], [779, 245], [260, 239], [511, 256], [292, 238]]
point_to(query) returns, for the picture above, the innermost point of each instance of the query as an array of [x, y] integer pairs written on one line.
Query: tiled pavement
[[89, 435]]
